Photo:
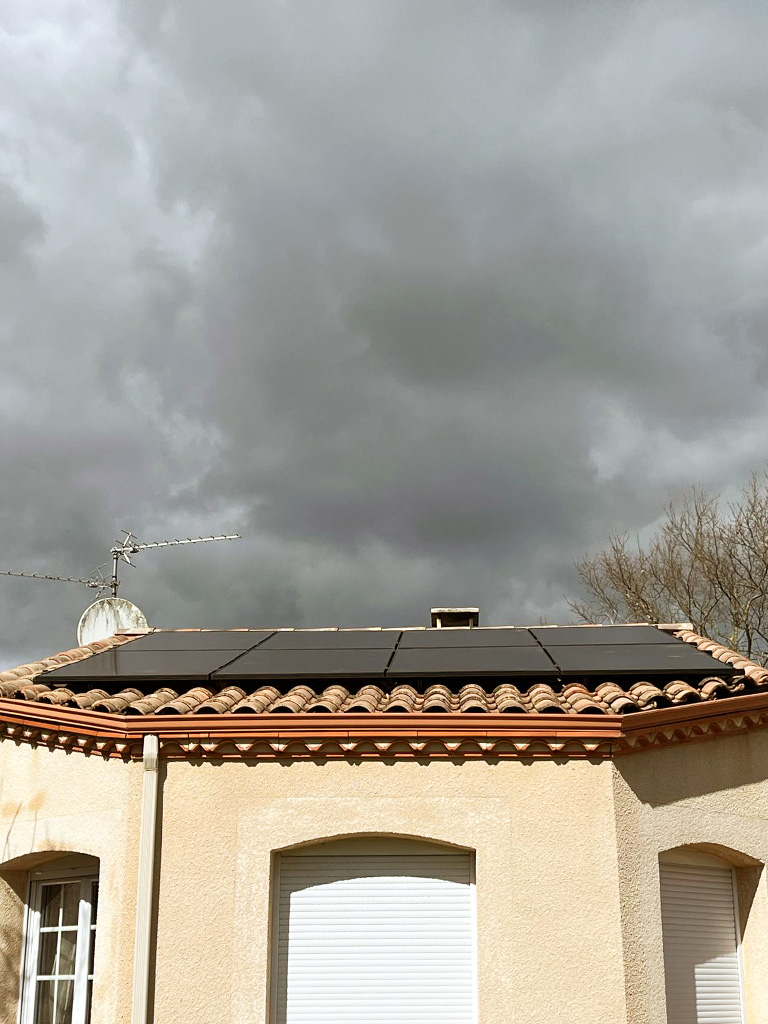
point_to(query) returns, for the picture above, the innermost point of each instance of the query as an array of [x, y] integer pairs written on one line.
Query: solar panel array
[[546, 654]]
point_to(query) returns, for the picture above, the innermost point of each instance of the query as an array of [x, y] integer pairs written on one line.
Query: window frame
[[86, 931]]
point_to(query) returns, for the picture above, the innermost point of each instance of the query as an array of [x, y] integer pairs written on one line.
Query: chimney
[[451, 618]]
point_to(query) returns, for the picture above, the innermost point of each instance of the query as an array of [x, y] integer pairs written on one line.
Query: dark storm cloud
[[423, 298]]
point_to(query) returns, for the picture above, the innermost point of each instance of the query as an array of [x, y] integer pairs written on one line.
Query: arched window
[[377, 930], [700, 922], [59, 943]]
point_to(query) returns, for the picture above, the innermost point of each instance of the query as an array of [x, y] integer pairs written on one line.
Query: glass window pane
[[46, 963], [91, 953], [67, 953], [50, 905], [71, 902], [44, 1002], [94, 900], [88, 997], [64, 994]]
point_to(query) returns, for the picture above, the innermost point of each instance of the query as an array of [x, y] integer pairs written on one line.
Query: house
[[444, 825]]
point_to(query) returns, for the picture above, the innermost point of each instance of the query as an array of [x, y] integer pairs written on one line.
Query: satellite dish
[[106, 616]]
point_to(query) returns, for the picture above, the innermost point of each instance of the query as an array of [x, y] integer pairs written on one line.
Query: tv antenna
[[106, 615], [121, 551]]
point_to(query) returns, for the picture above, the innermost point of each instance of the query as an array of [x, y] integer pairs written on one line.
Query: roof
[[127, 685]]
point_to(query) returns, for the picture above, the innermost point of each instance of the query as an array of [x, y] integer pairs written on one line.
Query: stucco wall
[[549, 934], [711, 795], [52, 801], [566, 863]]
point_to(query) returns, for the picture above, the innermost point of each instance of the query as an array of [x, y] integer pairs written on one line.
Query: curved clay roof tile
[[368, 699], [152, 702], [437, 698], [616, 699], [329, 701], [509, 700], [648, 695], [581, 700], [402, 699], [296, 699], [544, 700], [119, 702], [680, 692], [187, 703]]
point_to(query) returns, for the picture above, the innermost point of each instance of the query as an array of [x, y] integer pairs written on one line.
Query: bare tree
[[706, 564]]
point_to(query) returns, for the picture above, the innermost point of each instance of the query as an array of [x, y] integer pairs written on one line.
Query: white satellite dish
[[106, 616]]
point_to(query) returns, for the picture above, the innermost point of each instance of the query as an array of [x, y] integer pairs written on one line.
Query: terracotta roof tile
[[580, 700], [261, 700], [118, 702], [403, 698], [508, 699], [617, 700], [368, 698]]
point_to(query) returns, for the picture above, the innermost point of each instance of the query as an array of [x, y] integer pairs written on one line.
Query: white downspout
[[145, 884]]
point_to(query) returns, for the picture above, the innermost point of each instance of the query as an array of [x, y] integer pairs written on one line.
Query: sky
[[424, 299]]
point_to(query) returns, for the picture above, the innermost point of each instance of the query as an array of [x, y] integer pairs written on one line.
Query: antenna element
[[120, 552]]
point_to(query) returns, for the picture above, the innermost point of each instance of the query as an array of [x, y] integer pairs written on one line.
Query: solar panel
[[678, 659], [199, 640], [333, 640], [470, 661], [262, 663], [137, 665], [482, 636], [567, 636]]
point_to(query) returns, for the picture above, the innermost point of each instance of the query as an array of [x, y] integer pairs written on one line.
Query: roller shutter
[[375, 939], [701, 956]]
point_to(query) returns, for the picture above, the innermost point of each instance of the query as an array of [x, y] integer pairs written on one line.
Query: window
[[58, 958], [701, 940], [380, 930]]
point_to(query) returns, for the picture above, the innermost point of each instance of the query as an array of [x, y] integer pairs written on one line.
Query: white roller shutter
[[375, 939], [701, 955]]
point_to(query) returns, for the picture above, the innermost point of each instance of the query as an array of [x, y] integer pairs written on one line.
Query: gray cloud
[[424, 299]]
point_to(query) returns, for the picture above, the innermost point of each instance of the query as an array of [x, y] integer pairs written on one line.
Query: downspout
[[145, 887]]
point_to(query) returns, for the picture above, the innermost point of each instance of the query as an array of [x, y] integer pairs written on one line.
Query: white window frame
[[85, 935]]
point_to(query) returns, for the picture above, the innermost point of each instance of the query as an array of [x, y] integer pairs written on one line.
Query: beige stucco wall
[[52, 801], [712, 795], [566, 866], [549, 935]]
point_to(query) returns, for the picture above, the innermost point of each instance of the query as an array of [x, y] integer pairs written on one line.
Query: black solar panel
[[306, 664], [567, 636], [469, 638], [429, 662], [678, 659], [333, 640], [199, 640], [142, 665]]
